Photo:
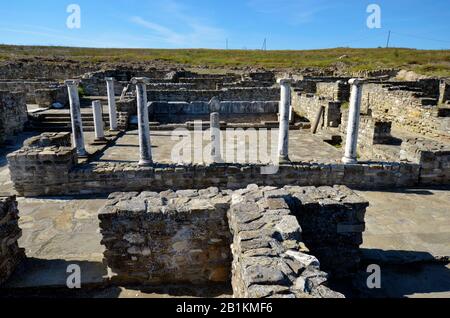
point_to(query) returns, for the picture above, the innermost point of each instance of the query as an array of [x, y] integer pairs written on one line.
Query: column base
[[348, 161], [83, 154], [284, 159], [100, 141], [145, 163]]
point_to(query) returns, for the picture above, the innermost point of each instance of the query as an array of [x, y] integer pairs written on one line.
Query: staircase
[[60, 122]]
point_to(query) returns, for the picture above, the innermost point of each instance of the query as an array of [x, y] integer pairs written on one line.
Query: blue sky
[[287, 24]]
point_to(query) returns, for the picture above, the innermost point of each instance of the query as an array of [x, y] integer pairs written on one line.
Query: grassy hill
[[426, 62]]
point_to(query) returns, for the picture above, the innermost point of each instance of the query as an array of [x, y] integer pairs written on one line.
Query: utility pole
[[227, 44], [389, 39]]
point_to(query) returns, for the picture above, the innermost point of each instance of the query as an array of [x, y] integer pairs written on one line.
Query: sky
[[244, 24]]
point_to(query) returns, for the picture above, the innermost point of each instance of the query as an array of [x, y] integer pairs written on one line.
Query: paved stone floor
[[303, 147], [403, 227]]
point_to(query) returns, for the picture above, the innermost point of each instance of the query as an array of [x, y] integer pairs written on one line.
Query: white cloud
[[198, 31]]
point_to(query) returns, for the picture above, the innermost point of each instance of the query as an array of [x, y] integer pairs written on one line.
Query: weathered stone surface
[[10, 253], [264, 265], [168, 237], [13, 114]]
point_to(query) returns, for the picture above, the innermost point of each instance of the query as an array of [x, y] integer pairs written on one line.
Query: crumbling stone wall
[[308, 105], [13, 114], [371, 132], [268, 260], [404, 109], [332, 219], [41, 166], [444, 92], [339, 91], [185, 236], [10, 253], [48, 96], [168, 237], [433, 157]]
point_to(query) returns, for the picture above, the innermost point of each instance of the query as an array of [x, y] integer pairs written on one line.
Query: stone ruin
[[185, 237], [218, 222]]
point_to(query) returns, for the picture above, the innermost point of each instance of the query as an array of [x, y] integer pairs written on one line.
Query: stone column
[[285, 104], [215, 138], [98, 121], [143, 122], [354, 116], [111, 104], [75, 116]]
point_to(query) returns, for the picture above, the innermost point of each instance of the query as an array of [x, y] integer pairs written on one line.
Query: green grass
[[426, 62]]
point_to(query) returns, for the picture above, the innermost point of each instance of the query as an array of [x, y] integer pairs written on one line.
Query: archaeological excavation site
[[142, 180]]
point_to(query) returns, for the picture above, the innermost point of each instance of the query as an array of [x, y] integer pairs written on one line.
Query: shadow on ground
[[403, 274]]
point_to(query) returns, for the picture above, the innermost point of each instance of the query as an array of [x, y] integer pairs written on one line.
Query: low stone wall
[[332, 219], [49, 96], [194, 108], [337, 91], [371, 132], [167, 238], [13, 114], [30, 88], [404, 109], [10, 253], [185, 237], [308, 105], [267, 254], [42, 165], [230, 94], [52, 171], [444, 92], [432, 156]]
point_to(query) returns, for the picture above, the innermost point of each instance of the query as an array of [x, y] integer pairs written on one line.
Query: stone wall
[[308, 105], [371, 132], [61, 139], [167, 238], [230, 94], [47, 97], [185, 236], [13, 114], [433, 157], [268, 260], [28, 87], [332, 219], [53, 171], [338, 91], [194, 108], [42, 165], [10, 253], [127, 105], [444, 92], [404, 109]]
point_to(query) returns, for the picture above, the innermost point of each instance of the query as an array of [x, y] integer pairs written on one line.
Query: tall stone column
[[216, 155], [98, 121], [143, 122], [285, 104], [75, 116], [354, 116], [111, 104]]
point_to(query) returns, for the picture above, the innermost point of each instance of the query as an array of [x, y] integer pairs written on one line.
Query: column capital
[[139, 80], [356, 81], [109, 79], [71, 82], [284, 81]]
